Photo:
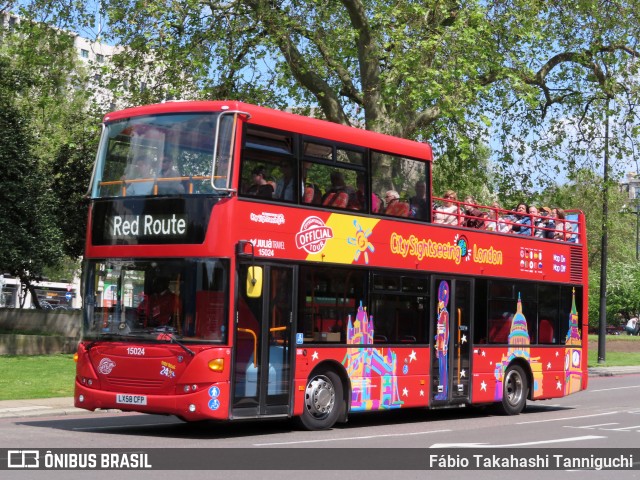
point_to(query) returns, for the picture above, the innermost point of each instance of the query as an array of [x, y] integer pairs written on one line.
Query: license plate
[[131, 399]]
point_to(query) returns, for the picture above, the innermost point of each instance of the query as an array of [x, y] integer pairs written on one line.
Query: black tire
[[323, 401], [514, 391]]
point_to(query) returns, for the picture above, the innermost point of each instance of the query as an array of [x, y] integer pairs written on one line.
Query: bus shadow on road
[[172, 427]]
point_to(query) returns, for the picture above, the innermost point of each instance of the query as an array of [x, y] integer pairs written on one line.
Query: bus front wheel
[[514, 391], [323, 401]]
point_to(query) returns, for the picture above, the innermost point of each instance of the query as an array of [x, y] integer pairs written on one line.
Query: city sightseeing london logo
[[313, 235]]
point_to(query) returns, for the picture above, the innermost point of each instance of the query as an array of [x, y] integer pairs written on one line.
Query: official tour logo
[[106, 365], [313, 235]]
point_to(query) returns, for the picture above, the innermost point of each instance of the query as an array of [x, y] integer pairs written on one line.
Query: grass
[[37, 376], [620, 351], [613, 359], [45, 376]]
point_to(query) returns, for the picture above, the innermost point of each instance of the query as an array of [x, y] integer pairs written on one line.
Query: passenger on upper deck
[[474, 218], [549, 222], [537, 221], [418, 203], [260, 187], [394, 206], [358, 200], [167, 171], [496, 223], [448, 213], [564, 230], [522, 225], [284, 185]]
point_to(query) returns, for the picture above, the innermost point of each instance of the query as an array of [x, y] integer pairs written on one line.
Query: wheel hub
[[320, 397]]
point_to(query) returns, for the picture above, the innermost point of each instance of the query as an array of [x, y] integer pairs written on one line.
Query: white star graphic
[[422, 393], [557, 353], [549, 366], [412, 357], [558, 385], [463, 339], [405, 392], [463, 373], [314, 356], [484, 354], [483, 386]]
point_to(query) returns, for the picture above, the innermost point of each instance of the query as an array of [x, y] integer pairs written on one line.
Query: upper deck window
[[400, 186], [167, 154], [270, 141], [269, 169]]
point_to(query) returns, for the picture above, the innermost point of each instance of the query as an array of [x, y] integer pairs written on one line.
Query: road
[[605, 416]]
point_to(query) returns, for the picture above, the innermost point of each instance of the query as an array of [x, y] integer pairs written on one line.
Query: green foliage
[[50, 138], [534, 80], [27, 233]]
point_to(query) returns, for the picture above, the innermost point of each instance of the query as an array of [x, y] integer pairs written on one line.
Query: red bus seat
[[398, 209], [499, 330], [545, 333], [336, 199]]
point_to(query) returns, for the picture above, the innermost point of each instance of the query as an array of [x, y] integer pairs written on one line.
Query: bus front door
[[262, 362], [451, 332]]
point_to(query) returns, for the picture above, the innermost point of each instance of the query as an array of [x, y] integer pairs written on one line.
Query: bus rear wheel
[[514, 391], [323, 401]]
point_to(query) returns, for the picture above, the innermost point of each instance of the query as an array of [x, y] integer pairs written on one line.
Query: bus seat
[[312, 194], [398, 209], [380, 339], [408, 339], [545, 333], [499, 330], [336, 199]]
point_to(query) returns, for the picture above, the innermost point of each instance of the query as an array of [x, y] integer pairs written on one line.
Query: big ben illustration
[[573, 352]]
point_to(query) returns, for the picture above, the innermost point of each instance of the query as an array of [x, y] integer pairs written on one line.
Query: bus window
[[397, 181], [548, 314], [328, 299], [398, 308]]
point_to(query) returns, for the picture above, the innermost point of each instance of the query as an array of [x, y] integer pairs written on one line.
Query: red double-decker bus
[[244, 263]]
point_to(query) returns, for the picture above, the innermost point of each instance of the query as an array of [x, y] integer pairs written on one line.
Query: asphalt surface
[[45, 407]]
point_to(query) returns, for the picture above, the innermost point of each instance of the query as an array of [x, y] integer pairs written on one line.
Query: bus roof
[[288, 121]]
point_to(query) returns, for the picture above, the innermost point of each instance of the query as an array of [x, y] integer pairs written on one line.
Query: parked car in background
[[615, 329]]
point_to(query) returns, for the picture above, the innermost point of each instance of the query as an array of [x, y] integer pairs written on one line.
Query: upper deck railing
[[189, 184], [489, 218]]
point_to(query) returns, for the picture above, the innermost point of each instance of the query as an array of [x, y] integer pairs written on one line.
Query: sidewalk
[[42, 407]]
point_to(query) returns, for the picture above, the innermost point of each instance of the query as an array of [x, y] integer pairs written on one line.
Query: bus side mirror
[[254, 282]]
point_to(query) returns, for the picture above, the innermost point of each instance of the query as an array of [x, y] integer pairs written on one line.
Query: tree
[[51, 136], [28, 236], [533, 76]]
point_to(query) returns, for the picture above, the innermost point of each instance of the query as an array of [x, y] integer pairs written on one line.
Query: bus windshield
[[169, 154], [156, 299]]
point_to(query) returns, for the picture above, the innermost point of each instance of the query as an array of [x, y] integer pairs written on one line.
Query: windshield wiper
[[170, 333]]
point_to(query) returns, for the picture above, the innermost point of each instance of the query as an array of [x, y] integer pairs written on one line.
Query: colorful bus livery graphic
[[373, 374], [234, 285], [570, 380]]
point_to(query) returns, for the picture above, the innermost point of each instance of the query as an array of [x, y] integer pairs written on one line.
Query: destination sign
[[148, 225]]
